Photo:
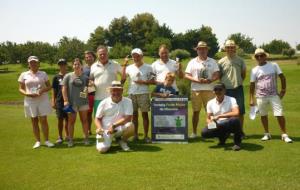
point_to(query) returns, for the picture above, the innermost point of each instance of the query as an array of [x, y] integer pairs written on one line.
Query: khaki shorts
[[274, 101], [81, 108], [141, 101], [200, 98]]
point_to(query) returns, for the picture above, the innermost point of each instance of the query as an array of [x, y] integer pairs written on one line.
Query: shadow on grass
[[277, 137], [199, 139], [245, 146]]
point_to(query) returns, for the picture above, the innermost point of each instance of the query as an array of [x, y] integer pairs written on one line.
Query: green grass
[[197, 165]]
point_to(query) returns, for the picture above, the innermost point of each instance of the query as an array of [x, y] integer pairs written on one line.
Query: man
[[233, 73], [263, 80], [89, 58], [141, 76], [103, 72], [164, 65], [201, 71], [222, 118], [113, 119]]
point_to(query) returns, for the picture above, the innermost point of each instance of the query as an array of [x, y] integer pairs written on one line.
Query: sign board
[[169, 118]]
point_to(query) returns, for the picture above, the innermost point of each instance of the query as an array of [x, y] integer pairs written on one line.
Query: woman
[[34, 85], [76, 99]]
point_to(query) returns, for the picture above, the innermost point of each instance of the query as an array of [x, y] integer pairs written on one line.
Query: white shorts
[[105, 140], [274, 101], [39, 108]]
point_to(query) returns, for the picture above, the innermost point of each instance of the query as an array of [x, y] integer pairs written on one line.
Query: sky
[[49, 20]]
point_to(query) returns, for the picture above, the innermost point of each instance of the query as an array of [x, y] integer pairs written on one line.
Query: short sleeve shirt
[[265, 78], [164, 89], [57, 84], [231, 71], [75, 85], [216, 108], [201, 69], [103, 75], [161, 69], [110, 111], [33, 82], [143, 72]]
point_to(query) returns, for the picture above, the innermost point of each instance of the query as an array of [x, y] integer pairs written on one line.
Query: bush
[[288, 52], [119, 51], [180, 53]]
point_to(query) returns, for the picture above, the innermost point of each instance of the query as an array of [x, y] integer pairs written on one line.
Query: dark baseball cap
[[62, 62]]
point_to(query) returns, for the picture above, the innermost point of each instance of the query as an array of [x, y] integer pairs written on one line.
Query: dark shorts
[[238, 94], [60, 114]]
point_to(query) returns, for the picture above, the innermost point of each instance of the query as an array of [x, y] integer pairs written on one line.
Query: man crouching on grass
[[222, 118], [113, 119]]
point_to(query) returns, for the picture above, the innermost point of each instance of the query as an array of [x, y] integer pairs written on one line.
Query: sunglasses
[[260, 55]]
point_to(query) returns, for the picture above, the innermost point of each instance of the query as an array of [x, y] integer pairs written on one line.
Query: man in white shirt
[[223, 118], [113, 119], [141, 76], [165, 65], [263, 80], [201, 71], [103, 72]]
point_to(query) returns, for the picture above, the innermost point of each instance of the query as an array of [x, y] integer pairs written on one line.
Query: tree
[[119, 31], [163, 31], [190, 39], [289, 52], [152, 49], [119, 51], [143, 28], [298, 47], [70, 48], [244, 42], [276, 46], [99, 37]]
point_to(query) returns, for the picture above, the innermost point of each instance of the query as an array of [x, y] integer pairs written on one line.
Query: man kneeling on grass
[[113, 119], [222, 118]]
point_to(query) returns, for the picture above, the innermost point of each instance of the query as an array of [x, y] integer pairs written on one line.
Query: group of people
[[95, 88]]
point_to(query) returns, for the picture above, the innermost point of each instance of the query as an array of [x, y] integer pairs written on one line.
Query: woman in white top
[[34, 85]]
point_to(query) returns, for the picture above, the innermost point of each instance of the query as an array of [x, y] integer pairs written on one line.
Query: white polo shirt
[[138, 73], [110, 111], [161, 69], [33, 82], [216, 108], [103, 75], [201, 69]]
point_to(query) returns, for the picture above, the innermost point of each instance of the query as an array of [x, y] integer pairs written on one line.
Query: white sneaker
[[286, 138], [59, 141], [124, 145], [266, 137], [70, 143], [49, 144], [36, 144], [193, 136]]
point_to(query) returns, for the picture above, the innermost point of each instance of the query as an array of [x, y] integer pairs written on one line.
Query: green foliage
[[276, 46], [143, 28], [298, 47], [190, 39], [180, 53], [98, 37], [119, 51], [119, 31], [289, 52], [244, 42], [70, 48], [152, 49]]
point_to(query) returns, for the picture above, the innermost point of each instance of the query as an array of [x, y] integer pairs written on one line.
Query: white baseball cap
[[230, 43], [260, 51], [33, 58], [137, 51]]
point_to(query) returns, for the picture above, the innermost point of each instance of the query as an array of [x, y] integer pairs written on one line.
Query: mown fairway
[[197, 165]]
